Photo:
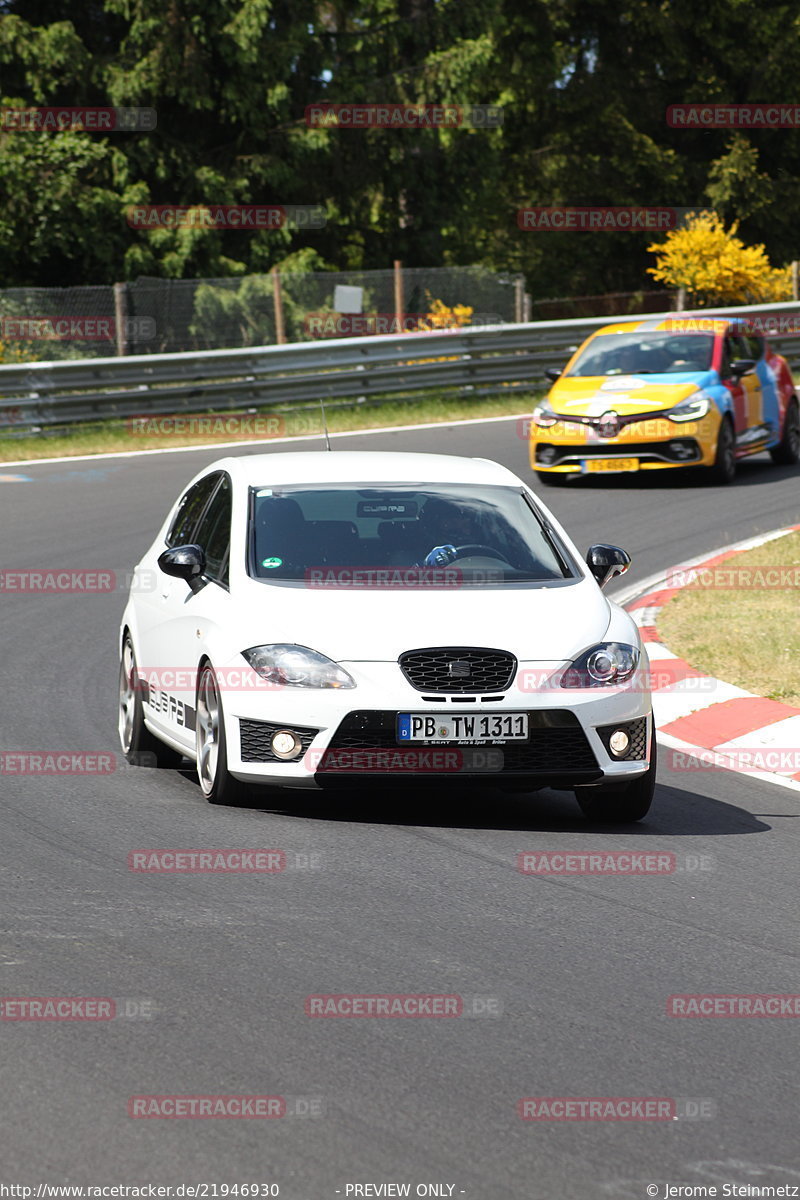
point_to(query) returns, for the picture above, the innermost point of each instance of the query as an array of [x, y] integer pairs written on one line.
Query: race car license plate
[[477, 729], [591, 465]]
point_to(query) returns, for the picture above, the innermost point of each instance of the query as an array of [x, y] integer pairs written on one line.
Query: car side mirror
[[553, 373], [742, 366], [184, 562], [606, 562]]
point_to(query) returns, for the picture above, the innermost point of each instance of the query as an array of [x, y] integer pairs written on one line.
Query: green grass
[[110, 436], [748, 636]]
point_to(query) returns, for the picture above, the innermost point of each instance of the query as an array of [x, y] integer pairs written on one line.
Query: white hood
[[546, 624]]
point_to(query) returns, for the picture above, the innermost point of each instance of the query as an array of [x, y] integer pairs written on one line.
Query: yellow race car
[[656, 394]]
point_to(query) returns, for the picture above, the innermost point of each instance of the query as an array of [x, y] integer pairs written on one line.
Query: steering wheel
[[477, 547]]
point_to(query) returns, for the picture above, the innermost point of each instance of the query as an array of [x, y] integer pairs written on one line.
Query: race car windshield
[[639, 354], [477, 535]]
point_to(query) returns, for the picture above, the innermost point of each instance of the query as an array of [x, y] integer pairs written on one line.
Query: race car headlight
[[544, 416], [692, 408], [606, 665], [297, 666]]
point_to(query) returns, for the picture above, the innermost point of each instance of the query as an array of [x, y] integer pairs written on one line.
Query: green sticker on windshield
[[272, 562]]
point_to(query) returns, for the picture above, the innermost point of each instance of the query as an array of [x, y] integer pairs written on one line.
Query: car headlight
[[605, 665], [544, 416], [692, 408], [297, 666]]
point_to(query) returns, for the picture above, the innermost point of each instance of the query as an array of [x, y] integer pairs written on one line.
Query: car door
[[186, 614], [732, 350], [750, 383]]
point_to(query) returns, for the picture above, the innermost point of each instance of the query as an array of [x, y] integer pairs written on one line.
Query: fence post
[[280, 329], [121, 317], [519, 301], [398, 293], [795, 265]]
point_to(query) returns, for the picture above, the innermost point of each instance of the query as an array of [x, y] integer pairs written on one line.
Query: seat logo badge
[[460, 669]]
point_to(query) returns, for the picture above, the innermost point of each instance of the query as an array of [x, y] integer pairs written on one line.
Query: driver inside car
[[445, 525]]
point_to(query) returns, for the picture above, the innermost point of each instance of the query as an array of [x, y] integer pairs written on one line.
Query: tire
[[140, 747], [620, 804], [787, 452], [216, 784], [723, 471], [552, 478]]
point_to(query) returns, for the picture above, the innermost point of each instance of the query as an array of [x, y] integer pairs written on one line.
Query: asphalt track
[[413, 893]]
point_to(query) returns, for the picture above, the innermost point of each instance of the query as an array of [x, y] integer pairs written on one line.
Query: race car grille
[[677, 450], [256, 737], [557, 744], [459, 669], [636, 731]]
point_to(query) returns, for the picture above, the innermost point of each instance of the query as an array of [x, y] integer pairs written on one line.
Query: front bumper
[[655, 442], [349, 735]]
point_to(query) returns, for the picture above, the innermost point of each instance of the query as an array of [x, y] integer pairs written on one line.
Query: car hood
[[547, 624], [596, 394]]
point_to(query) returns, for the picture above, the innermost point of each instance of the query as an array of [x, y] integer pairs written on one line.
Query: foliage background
[[584, 84]]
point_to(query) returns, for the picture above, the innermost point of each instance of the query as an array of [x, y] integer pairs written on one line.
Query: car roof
[[676, 324], [362, 466]]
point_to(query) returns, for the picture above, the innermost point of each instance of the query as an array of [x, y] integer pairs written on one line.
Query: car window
[[737, 347], [214, 532], [656, 353], [487, 533], [190, 509], [755, 346]]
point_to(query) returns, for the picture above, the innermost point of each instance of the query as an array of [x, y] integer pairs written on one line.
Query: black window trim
[[226, 556], [213, 493]]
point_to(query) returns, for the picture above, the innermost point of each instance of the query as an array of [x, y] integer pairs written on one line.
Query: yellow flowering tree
[[714, 266]]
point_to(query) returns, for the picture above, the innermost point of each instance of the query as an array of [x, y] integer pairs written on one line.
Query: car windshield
[[477, 534], [648, 354]]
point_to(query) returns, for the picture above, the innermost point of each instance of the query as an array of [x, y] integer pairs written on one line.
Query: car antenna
[[325, 426]]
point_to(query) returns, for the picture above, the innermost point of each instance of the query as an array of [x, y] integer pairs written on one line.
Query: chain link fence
[[154, 316]]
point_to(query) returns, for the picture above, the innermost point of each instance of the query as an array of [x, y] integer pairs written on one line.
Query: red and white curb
[[707, 722]]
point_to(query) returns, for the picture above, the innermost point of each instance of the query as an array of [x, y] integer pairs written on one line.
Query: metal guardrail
[[480, 360]]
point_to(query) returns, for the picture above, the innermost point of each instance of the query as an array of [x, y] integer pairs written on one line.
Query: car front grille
[[557, 745], [676, 450], [459, 669], [256, 737]]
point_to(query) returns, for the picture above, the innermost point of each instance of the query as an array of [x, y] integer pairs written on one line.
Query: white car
[[318, 619]]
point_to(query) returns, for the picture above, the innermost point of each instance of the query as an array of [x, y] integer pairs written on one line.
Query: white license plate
[[475, 728]]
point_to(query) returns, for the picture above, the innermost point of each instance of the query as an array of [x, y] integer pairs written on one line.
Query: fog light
[[285, 744], [619, 742]]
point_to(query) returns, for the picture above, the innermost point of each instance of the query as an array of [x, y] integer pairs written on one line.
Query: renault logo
[[609, 425]]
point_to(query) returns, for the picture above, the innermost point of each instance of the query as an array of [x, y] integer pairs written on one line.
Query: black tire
[[216, 784], [723, 471], [140, 747], [787, 452], [620, 805], [552, 478]]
